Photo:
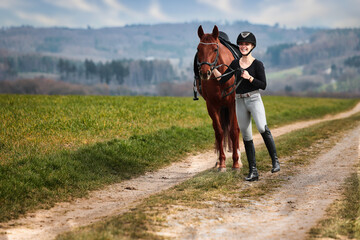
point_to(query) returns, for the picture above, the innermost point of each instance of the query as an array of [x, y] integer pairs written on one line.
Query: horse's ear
[[215, 32], [200, 31]]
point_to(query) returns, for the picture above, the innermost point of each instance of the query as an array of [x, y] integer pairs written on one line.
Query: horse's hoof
[[236, 169], [222, 169]]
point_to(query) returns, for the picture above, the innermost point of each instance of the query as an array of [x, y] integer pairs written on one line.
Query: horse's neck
[[225, 56]]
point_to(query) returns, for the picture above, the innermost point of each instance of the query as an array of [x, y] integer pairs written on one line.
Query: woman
[[251, 74]]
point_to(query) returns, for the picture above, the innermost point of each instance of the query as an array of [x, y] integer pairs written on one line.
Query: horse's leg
[[234, 135], [219, 135]]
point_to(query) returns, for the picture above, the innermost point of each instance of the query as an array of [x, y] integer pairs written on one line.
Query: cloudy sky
[[109, 13]]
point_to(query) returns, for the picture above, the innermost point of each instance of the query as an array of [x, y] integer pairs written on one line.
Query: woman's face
[[245, 47]]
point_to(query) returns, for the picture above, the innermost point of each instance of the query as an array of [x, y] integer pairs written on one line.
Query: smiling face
[[245, 47]]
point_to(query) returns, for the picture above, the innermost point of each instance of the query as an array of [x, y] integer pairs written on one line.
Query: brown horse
[[221, 108]]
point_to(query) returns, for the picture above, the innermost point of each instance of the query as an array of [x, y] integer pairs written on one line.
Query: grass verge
[[342, 220], [28, 182], [211, 187]]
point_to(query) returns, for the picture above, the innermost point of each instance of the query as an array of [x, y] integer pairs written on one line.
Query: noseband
[[212, 64]]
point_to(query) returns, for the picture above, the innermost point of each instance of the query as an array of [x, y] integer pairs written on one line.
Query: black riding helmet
[[248, 37]]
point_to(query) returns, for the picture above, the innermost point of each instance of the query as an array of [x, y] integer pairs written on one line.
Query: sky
[[114, 13]]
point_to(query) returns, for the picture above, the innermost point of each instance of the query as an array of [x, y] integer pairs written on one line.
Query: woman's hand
[[245, 74], [217, 74]]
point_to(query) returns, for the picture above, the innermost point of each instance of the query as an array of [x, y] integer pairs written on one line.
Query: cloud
[[12, 5], [312, 13], [103, 13], [287, 12], [156, 13], [6, 4], [80, 5], [38, 18], [116, 6], [223, 6], [118, 11]]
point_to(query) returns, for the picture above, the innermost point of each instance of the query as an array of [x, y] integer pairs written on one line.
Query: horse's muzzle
[[205, 75]]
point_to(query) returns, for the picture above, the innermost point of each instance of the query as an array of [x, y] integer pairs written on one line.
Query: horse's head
[[208, 52]]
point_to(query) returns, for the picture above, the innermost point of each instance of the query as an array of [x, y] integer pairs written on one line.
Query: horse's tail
[[225, 125]]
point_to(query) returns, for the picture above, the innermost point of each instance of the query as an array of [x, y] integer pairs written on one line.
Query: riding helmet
[[246, 37]]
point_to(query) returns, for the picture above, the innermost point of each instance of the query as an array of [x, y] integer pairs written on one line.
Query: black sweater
[[256, 70]]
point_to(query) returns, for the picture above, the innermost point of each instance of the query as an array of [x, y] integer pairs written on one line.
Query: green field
[[292, 72], [54, 148]]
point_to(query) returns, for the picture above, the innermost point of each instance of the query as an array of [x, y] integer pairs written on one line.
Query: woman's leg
[[270, 145], [257, 109], [244, 121]]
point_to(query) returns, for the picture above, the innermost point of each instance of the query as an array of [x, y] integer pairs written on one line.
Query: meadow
[[54, 148], [283, 74]]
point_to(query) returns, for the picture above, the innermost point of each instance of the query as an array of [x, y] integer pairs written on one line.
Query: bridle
[[214, 66]]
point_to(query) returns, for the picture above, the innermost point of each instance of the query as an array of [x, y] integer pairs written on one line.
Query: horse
[[211, 53]]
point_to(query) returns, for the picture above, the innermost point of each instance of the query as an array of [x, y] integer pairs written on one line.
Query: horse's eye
[[215, 50]]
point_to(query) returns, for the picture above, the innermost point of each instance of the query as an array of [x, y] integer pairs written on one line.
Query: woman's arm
[[260, 78], [227, 74]]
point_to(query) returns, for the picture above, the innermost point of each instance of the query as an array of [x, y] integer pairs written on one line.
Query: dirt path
[[118, 198], [288, 213]]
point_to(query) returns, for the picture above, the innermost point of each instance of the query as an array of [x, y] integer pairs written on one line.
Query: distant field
[[296, 71], [55, 147], [30, 75]]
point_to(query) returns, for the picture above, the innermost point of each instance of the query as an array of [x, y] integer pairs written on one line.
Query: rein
[[233, 86]]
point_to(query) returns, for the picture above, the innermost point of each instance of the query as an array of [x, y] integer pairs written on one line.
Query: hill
[[157, 59], [161, 41], [328, 62]]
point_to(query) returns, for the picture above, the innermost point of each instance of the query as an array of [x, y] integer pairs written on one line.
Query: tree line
[[111, 71], [116, 72], [323, 45]]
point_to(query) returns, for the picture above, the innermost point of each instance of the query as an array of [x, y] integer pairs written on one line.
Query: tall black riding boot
[[250, 154], [270, 145]]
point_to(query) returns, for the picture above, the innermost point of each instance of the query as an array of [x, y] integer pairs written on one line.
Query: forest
[[133, 73]]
